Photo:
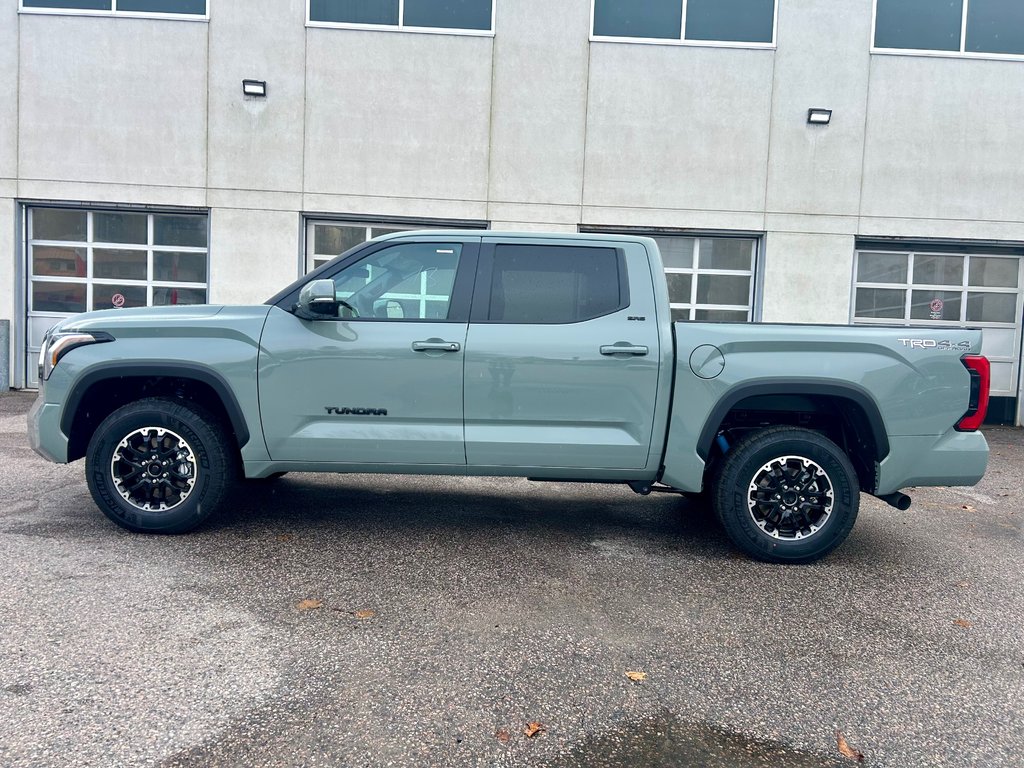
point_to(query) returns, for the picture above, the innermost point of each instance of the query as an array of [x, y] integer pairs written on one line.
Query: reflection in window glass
[[330, 240], [174, 267], [57, 224], [991, 307], [182, 231], [448, 14], [741, 21], [629, 18], [720, 316], [722, 289], [163, 296], [726, 253], [553, 284], [118, 265], [676, 252], [882, 267], [50, 261], [58, 297], [129, 228], [938, 270], [197, 7], [935, 305], [679, 286], [354, 11], [81, 5], [927, 25], [994, 272], [880, 303], [995, 26], [118, 296]]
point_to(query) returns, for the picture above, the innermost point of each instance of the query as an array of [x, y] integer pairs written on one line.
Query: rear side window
[[556, 284]]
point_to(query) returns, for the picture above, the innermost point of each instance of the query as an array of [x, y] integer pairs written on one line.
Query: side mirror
[[317, 301]]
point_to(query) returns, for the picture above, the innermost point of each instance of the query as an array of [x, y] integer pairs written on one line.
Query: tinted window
[[448, 14], [995, 26], [629, 18], [930, 25], [554, 284], [741, 21], [354, 11]]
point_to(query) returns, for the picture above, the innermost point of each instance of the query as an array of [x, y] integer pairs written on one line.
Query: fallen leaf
[[967, 508], [502, 735], [365, 614], [532, 729], [309, 604], [636, 677], [963, 584], [963, 623], [846, 750], [285, 537]]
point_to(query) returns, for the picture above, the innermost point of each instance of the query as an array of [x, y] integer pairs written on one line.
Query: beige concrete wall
[[253, 254]]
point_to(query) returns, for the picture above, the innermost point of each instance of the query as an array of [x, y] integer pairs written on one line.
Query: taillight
[[978, 367]]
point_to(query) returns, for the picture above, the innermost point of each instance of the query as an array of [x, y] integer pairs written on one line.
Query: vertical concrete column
[[808, 278], [5, 355]]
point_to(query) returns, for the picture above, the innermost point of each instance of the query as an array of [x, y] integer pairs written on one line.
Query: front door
[[563, 355], [381, 383]]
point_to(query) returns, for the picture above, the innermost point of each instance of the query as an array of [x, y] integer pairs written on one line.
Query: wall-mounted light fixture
[[819, 116], [257, 88]]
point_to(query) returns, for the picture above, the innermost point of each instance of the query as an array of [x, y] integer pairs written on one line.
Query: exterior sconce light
[[256, 88], [819, 116]]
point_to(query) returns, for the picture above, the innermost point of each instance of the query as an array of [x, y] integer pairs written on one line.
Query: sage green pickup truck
[[552, 357]]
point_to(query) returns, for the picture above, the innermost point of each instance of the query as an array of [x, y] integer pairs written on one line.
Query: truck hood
[[166, 318]]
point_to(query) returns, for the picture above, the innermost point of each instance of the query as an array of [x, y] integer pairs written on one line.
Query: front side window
[[456, 15], [555, 284], [702, 21], [131, 7], [952, 26], [407, 281]]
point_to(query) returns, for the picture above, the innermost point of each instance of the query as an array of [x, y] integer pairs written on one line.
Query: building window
[[728, 22], [985, 27], [946, 289], [464, 16], [81, 260], [185, 8], [710, 278]]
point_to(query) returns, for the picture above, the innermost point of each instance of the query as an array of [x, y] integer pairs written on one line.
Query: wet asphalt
[[454, 612]]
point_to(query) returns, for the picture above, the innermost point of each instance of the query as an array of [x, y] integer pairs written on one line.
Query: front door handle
[[436, 345], [622, 348]]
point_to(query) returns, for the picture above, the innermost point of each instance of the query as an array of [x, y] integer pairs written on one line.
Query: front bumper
[[44, 433]]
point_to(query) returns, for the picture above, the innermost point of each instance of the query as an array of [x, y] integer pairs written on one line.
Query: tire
[[159, 466], [786, 495]]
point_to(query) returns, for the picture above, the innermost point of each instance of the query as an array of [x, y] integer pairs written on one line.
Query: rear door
[[562, 355], [382, 382]]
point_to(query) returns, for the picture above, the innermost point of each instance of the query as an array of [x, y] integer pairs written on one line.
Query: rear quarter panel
[[914, 377]]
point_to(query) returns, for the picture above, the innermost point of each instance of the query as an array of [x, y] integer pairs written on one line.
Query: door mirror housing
[[317, 301]]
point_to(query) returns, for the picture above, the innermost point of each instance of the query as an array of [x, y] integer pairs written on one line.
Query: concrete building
[[135, 168]]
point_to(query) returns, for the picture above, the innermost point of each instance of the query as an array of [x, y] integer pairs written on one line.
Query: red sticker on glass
[[117, 300], [936, 305]]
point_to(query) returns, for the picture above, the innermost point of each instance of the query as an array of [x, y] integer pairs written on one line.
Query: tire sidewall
[[200, 436], [734, 511]]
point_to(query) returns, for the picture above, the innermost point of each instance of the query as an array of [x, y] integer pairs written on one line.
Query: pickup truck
[[551, 357]]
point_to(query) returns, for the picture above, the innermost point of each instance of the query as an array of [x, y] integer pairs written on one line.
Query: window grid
[[316, 258], [89, 245], [692, 307], [401, 26], [682, 34], [22, 8], [962, 53], [964, 288]]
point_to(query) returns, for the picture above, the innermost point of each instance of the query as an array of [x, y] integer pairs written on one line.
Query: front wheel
[[159, 466], [787, 495]]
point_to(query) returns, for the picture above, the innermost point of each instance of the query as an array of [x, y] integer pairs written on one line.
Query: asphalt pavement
[[355, 620]]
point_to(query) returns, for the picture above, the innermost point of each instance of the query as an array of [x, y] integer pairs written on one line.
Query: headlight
[[59, 344]]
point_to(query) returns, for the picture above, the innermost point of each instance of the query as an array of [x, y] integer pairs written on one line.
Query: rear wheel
[[159, 466], [787, 495]]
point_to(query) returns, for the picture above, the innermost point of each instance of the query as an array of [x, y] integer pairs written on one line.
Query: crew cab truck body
[[543, 356]]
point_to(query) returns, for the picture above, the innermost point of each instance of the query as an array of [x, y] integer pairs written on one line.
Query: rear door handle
[[623, 348], [436, 345]]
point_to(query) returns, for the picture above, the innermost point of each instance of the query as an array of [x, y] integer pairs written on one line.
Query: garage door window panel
[[182, 8]]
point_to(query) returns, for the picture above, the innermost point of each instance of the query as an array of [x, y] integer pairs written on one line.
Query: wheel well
[[841, 419], [101, 398]]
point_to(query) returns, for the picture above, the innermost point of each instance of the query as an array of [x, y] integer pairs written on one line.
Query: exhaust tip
[[899, 500]]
